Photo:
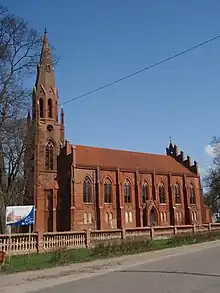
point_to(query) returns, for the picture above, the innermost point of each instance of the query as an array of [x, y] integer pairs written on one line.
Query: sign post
[[29, 241], [20, 216], [9, 249]]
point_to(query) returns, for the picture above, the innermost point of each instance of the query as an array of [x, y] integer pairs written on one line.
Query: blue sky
[[102, 40]]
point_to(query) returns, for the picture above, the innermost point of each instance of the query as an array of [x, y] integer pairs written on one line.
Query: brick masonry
[[56, 188]]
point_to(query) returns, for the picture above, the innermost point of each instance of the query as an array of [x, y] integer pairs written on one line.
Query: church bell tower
[[48, 139]]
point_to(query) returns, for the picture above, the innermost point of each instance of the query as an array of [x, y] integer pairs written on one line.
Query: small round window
[[49, 128]]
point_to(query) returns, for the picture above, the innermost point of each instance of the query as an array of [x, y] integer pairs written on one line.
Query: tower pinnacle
[[45, 57]]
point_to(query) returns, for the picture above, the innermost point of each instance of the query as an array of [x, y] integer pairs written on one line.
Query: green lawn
[[101, 250]]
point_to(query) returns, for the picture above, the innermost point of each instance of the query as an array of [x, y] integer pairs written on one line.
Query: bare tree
[[19, 55], [212, 178]]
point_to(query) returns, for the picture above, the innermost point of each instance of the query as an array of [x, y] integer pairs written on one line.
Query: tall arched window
[[56, 112], [49, 160], [110, 216], [162, 193], [108, 191], [177, 193], [127, 192], [89, 218], [192, 194], [41, 102], [49, 108], [85, 218], [145, 192], [87, 190], [126, 217]]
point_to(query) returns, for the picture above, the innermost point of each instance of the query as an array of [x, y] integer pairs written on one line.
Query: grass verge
[[100, 251]]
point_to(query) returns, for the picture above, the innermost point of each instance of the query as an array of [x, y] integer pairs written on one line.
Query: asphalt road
[[189, 273]]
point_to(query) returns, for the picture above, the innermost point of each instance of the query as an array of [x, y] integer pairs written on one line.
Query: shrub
[[124, 247]]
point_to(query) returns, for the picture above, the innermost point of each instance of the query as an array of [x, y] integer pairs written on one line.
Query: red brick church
[[76, 187]]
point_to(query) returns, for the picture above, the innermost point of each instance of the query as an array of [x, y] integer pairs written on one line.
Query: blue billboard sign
[[20, 215]]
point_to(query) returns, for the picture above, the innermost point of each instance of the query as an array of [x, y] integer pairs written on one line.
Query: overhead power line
[[141, 70]]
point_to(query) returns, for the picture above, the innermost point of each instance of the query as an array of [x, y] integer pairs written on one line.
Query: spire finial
[[62, 116], [170, 138], [45, 57]]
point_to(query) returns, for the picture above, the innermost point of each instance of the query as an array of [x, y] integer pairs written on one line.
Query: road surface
[[189, 273]]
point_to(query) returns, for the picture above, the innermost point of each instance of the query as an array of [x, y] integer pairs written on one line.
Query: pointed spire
[[45, 57], [45, 72], [62, 116], [62, 131], [28, 115], [28, 118], [170, 145], [38, 111]]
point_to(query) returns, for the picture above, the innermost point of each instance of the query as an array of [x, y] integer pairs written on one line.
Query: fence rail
[[19, 244]]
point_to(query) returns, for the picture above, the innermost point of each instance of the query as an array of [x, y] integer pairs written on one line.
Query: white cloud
[[210, 150]]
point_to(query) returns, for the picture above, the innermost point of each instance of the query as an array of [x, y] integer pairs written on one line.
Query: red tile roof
[[94, 156]]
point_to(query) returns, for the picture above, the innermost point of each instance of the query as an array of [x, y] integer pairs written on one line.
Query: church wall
[[195, 210], [83, 214], [179, 207], [117, 213], [108, 211]]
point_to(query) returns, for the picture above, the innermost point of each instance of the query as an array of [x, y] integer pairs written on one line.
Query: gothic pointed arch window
[[56, 111], [50, 108], [192, 194], [41, 102], [145, 192], [87, 190], [50, 152], [161, 193], [127, 191], [108, 191], [177, 193]]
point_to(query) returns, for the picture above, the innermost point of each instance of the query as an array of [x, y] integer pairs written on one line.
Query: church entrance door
[[153, 217]]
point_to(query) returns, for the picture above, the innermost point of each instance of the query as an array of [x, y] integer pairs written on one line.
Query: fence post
[[210, 227], [175, 230], [194, 228], [88, 238], [123, 234], [40, 242], [152, 232]]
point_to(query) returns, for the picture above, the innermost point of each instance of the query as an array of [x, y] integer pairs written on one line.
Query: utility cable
[[141, 70]]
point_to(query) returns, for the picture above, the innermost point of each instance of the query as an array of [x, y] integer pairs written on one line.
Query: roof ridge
[[93, 156], [120, 150]]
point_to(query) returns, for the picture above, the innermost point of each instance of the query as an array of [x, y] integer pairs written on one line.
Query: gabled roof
[[94, 156]]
